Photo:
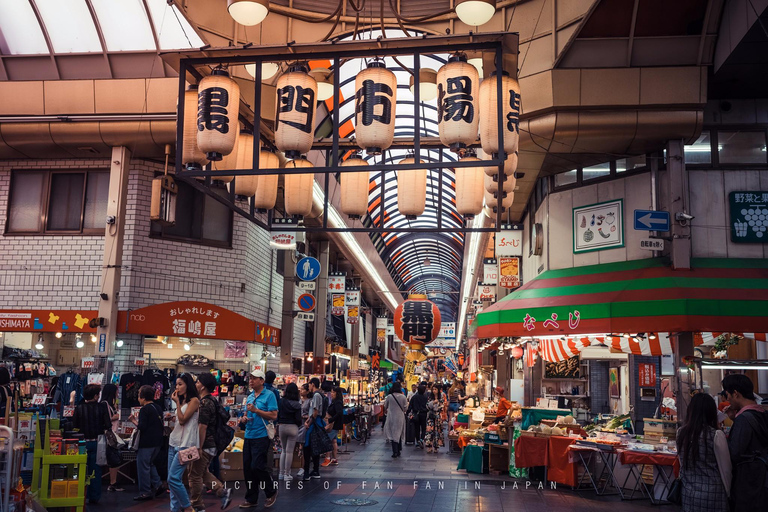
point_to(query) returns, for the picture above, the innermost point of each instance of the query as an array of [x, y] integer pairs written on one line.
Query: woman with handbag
[[109, 397], [395, 405], [91, 418], [705, 464], [184, 441]]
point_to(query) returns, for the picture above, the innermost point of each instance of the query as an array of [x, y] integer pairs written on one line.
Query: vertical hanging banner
[[353, 314], [509, 272], [353, 297], [509, 241], [336, 282], [490, 270], [337, 304]]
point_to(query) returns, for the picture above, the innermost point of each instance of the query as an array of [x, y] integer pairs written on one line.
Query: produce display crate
[[498, 458]]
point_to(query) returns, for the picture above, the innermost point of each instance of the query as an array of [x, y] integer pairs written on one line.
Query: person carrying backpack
[[210, 424], [748, 444]]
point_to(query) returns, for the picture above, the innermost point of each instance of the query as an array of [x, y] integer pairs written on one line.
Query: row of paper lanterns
[[211, 132]]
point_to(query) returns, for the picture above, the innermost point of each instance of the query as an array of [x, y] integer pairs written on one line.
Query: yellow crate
[[59, 489]]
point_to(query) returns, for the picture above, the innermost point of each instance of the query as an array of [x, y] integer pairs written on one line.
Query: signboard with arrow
[[651, 220]]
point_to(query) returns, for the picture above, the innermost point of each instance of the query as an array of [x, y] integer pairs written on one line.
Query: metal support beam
[[286, 325], [676, 183], [321, 299]]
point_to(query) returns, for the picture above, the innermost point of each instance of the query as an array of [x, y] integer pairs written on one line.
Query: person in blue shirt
[[261, 407]]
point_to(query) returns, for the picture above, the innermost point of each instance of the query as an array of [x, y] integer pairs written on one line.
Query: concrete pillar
[[321, 299], [683, 343], [113, 256], [289, 298], [675, 181]]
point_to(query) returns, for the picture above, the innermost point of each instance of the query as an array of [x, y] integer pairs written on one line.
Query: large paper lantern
[[417, 321], [411, 190], [192, 157], [295, 112], [510, 166], [458, 86], [298, 188], [228, 162], [489, 128], [375, 100], [491, 183], [265, 196], [245, 185], [491, 192], [217, 109], [517, 352], [469, 188], [354, 189]]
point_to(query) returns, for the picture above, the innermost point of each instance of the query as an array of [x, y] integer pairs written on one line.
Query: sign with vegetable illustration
[[749, 217], [598, 226]]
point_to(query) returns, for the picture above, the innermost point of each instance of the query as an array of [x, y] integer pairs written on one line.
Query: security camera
[[682, 216]]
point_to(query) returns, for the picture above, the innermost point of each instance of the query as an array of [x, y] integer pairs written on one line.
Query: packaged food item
[[56, 446]]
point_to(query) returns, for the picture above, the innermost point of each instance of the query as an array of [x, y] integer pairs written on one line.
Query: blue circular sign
[[306, 302], [308, 269]]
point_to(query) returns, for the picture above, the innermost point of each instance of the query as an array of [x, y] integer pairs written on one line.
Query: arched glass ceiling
[[404, 254], [35, 27]]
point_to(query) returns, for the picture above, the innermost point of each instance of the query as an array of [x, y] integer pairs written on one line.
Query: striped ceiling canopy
[[635, 297]]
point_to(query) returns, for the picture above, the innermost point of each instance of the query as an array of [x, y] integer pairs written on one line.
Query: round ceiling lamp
[[268, 70], [248, 12], [427, 84], [324, 79], [475, 12]]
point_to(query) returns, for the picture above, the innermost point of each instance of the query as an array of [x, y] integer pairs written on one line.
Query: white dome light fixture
[[248, 12], [427, 84], [475, 12], [268, 70], [119, 343], [39, 344], [59, 335], [324, 79], [79, 343]]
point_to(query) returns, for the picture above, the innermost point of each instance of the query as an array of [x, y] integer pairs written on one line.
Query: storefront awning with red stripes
[[728, 295]]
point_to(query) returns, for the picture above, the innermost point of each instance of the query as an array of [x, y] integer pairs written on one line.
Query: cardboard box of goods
[[231, 475], [72, 486], [231, 461]]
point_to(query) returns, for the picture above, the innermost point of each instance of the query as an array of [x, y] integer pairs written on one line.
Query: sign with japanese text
[[447, 330], [305, 317], [337, 304], [647, 375], [283, 240], [509, 272], [337, 282], [191, 319], [417, 322], [486, 291], [652, 244], [381, 335], [490, 271], [47, 320], [381, 322], [353, 314], [353, 297], [598, 226], [235, 350], [509, 242], [749, 217]]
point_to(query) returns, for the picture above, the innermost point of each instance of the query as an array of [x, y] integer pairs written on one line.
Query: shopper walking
[[417, 413], [327, 388], [335, 417], [109, 397], [261, 407], [315, 413], [748, 444], [433, 439], [395, 405], [199, 473], [185, 435], [91, 418], [150, 431], [289, 419], [705, 465]]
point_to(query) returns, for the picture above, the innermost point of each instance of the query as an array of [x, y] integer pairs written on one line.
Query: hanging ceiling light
[[187, 347], [427, 84], [59, 335], [354, 188], [268, 70], [475, 12], [248, 12], [93, 338], [652, 336], [39, 345], [324, 79], [427, 261], [119, 343]]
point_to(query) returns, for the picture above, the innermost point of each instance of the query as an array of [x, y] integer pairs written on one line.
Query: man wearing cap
[[261, 407], [504, 405]]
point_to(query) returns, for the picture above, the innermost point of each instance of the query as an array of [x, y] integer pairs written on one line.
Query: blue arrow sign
[[651, 220], [308, 269]]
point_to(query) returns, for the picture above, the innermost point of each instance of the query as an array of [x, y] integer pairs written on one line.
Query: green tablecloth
[[474, 459], [532, 416], [514, 471]]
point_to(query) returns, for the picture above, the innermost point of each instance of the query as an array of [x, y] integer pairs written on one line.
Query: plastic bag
[[101, 451]]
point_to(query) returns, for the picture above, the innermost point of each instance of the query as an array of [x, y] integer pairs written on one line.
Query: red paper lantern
[[517, 352], [417, 321]]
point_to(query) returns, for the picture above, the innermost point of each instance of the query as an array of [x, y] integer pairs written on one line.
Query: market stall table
[[534, 415], [474, 459], [588, 456], [531, 451], [666, 466], [559, 468]]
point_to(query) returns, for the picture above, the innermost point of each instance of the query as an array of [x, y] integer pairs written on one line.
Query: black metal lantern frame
[[195, 64]]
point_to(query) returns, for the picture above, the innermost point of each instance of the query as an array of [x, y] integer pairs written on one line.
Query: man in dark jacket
[[748, 444], [417, 407], [91, 418], [150, 430]]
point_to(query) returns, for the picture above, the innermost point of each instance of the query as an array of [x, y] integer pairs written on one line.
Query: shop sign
[[490, 270], [390, 330], [598, 226], [235, 350], [47, 320], [509, 272], [353, 297], [447, 330], [283, 240], [443, 343], [652, 244], [381, 322], [86, 362], [487, 292], [337, 282], [356, 374], [139, 361], [647, 375], [375, 356], [337, 304], [192, 319], [509, 242], [353, 314], [381, 335], [749, 217]]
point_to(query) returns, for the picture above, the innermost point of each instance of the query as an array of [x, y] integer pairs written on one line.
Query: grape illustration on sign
[[308, 268], [749, 217]]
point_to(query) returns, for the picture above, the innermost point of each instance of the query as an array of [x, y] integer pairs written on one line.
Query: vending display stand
[[41, 473]]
